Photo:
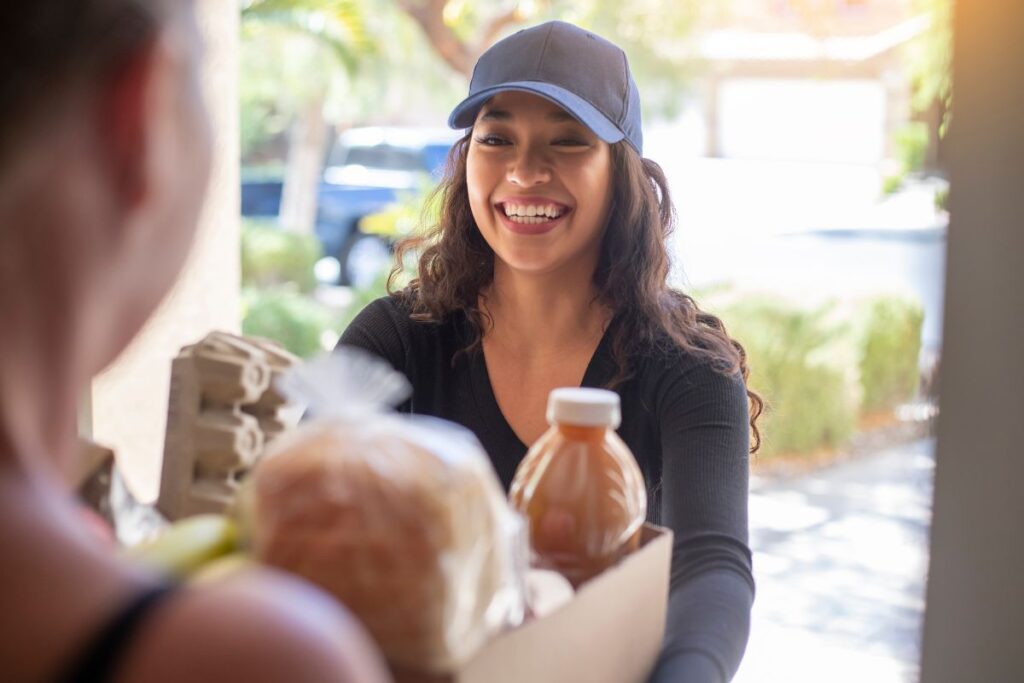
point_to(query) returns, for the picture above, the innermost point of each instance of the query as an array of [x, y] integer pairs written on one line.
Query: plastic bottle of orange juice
[[580, 488]]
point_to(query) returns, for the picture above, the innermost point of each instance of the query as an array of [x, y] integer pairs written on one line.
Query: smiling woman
[[548, 268]]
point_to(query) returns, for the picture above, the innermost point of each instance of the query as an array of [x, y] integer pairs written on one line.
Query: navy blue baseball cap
[[583, 73]]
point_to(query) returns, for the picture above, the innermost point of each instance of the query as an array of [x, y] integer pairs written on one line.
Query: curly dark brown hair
[[456, 264]]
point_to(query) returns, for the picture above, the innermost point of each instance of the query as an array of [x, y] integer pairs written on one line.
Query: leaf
[[338, 25]]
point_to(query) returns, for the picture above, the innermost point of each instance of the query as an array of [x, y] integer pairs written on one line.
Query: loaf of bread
[[404, 521]]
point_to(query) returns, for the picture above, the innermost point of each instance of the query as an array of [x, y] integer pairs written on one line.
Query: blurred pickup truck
[[367, 171]]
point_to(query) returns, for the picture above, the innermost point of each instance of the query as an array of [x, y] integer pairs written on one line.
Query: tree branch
[[429, 14], [494, 29]]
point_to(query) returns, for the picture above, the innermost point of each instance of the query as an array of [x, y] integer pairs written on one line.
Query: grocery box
[[610, 632]]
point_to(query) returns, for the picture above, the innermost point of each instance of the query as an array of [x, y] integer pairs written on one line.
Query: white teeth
[[531, 211], [528, 220]]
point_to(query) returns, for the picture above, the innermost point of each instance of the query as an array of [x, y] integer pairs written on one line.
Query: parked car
[[367, 170]]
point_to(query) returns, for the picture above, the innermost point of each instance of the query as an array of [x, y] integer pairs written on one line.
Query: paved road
[[840, 560]]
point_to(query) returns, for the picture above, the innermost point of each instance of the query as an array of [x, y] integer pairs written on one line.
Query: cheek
[[596, 187], [479, 188]]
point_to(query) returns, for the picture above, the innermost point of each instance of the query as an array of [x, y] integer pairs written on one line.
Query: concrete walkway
[[840, 557]]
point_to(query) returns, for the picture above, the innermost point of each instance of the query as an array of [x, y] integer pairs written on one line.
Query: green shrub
[[803, 366], [891, 184], [272, 256], [890, 345], [819, 369], [911, 142], [296, 321]]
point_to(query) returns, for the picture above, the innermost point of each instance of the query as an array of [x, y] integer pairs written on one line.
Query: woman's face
[[539, 184]]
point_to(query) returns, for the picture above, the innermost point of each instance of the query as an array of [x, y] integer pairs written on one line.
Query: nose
[[529, 167]]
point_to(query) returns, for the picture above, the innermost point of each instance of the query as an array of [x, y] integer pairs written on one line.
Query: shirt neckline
[[597, 375]]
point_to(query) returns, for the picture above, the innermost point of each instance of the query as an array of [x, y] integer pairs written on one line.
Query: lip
[[531, 228]]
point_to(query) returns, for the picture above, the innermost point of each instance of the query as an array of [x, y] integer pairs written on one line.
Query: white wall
[[802, 119], [974, 620]]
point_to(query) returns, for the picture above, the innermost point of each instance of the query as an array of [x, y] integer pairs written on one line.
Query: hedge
[[272, 256], [295, 320], [799, 367], [820, 369], [890, 345]]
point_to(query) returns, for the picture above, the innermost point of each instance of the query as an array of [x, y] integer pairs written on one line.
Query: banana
[[223, 567], [188, 544]]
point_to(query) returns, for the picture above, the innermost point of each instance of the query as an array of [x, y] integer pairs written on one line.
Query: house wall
[[830, 45]]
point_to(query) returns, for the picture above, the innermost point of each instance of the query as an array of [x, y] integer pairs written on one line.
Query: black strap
[[99, 661]]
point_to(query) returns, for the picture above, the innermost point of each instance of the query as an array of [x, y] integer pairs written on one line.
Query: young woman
[[104, 155], [548, 268]]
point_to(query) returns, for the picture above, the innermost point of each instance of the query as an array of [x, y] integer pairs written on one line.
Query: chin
[[530, 264]]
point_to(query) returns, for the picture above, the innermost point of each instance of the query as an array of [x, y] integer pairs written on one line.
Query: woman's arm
[[703, 416]]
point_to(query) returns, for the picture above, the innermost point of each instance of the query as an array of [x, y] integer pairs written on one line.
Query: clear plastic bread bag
[[402, 518]]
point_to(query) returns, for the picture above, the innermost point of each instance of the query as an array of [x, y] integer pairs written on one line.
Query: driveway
[[840, 557]]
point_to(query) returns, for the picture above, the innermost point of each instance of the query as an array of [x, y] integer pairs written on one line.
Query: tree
[[931, 60], [332, 38], [652, 32], [309, 62], [446, 24]]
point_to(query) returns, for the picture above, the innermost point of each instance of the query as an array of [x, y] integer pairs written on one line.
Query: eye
[[570, 142], [491, 140]]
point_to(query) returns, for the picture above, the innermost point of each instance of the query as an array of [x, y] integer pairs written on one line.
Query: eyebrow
[[503, 115]]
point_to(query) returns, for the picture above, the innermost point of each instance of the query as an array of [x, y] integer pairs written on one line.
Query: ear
[[125, 118]]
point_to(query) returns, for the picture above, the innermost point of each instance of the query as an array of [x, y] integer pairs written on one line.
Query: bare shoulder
[[262, 626]]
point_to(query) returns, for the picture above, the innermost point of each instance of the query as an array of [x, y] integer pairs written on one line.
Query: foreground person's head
[[104, 158]]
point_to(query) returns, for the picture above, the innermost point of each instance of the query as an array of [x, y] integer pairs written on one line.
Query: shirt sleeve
[[703, 415], [378, 329]]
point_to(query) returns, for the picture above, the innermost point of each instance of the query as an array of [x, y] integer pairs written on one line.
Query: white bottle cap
[[584, 407]]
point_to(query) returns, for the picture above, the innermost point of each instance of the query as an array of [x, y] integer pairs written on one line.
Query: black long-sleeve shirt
[[687, 425]]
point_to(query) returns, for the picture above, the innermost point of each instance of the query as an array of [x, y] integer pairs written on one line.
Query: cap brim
[[464, 115]]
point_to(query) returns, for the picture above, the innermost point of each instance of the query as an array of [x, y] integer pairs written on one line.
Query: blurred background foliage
[[299, 323], [931, 59], [822, 370], [890, 344], [277, 279], [368, 59], [273, 257]]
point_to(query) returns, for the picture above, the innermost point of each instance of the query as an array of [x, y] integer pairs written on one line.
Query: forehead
[[514, 105]]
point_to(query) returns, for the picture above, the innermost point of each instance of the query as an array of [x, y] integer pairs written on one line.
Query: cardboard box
[[610, 632]]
